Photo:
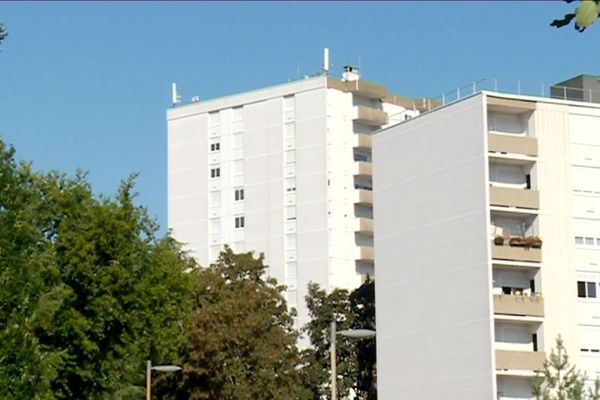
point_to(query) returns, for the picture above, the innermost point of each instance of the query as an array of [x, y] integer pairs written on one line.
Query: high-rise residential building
[[487, 246], [284, 170]]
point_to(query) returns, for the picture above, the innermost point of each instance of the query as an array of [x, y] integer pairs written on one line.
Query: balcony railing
[[524, 145], [363, 168], [520, 360], [370, 116], [364, 226], [506, 252], [362, 140], [531, 306], [364, 197], [365, 254], [519, 198]]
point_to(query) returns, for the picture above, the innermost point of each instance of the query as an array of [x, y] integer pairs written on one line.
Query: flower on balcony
[[526, 241]]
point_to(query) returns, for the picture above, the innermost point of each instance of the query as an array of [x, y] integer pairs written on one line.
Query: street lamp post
[[159, 368], [351, 333]]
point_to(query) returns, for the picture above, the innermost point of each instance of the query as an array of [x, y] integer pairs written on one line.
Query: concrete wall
[[433, 286]]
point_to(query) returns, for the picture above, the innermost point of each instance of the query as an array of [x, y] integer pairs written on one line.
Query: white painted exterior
[[292, 150], [438, 282]]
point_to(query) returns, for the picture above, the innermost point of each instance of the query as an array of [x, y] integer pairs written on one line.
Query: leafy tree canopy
[[585, 15], [241, 342], [3, 33], [355, 358], [88, 292]]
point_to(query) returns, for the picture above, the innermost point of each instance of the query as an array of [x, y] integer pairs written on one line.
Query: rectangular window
[[215, 172], [578, 239], [289, 102], [589, 241], [240, 222], [290, 213], [591, 289], [239, 194], [215, 146], [289, 130], [290, 184], [215, 198], [586, 289]]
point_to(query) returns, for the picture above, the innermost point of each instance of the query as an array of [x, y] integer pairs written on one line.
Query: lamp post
[[351, 333], [159, 368]]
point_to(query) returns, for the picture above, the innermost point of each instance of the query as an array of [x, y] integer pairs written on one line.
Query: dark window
[[239, 194], [580, 289], [535, 341], [215, 146], [240, 222], [591, 289], [215, 172], [532, 285], [506, 290]]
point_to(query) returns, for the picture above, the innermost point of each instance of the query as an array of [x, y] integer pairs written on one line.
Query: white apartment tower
[[469, 301], [286, 171]]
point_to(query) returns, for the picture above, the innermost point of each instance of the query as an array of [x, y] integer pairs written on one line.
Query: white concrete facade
[[465, 308], [285, 171]]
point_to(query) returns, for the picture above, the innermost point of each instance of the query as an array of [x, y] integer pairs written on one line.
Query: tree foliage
[[355, 358], [241, 343], [3, 33], [88, 292], [584, 15], [561, 380]]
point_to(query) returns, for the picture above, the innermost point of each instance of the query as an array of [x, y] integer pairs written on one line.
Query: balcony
[[367, 89], [363, 168], [362, 140], [364, 226], [529, 306], [514, 144], [513, 253], [360, 88], [519, 198], [363, 197], [520, 360], [370, 116], [365, 254]]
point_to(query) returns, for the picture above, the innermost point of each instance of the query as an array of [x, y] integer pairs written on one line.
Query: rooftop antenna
[[176, 98], [326, 61]]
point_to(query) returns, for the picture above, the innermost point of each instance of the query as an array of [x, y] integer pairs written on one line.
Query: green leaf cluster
[[356, 359], [88, 292], [241, 343]]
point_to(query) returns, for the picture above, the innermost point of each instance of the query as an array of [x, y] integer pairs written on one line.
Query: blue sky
[[86, 85]]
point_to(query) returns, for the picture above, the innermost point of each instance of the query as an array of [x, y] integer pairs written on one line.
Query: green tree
[[585, 15], [241, 342], [562, 381], [355, 358], [88, 292], [3, 33]]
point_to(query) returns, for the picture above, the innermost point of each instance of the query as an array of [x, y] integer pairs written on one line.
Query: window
[[586, 289], [215, 146], [215, 172], [240, 222], [578, 239], [239, 194], [589, 241], [290, 184]]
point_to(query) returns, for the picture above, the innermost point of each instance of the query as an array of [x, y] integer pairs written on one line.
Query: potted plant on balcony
[[534, 242], [517, 241], [499, 240]]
